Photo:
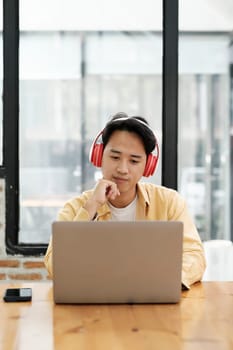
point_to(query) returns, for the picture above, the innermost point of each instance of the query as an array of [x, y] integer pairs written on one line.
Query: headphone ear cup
[[150, 165], [96, 154]]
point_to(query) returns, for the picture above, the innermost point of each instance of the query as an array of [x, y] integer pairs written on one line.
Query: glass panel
[[71, 81], [204, 114], [49, 128]]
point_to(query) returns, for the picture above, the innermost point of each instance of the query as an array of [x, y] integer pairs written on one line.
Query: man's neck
[[124, 199]]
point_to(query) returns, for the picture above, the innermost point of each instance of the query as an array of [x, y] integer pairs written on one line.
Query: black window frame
[[10, 167]]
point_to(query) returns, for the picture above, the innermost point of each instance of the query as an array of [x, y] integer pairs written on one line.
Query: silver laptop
[[117, 262]]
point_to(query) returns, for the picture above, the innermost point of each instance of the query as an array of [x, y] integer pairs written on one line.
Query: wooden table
[[202, 320]]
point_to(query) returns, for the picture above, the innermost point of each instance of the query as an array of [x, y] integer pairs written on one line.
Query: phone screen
[[18, 294]]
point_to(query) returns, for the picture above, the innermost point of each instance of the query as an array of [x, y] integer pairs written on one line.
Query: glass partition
[[71, 82], [204, 114]]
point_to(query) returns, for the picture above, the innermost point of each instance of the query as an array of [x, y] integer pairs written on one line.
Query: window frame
[[10, 168]]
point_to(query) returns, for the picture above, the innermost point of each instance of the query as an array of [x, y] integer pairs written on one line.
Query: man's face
[[124, 160]]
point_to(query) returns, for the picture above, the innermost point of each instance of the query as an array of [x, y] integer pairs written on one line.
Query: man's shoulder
[[81, 198], [160, 193]]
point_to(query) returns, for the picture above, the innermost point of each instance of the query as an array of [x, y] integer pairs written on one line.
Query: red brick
[[2, 276], [33, 264], [9, 263], [25, 276]]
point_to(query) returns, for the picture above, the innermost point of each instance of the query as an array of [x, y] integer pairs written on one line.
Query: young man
[[125, 155]]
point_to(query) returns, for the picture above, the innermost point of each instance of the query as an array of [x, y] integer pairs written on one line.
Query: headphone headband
[[96, 151], [138, 120]]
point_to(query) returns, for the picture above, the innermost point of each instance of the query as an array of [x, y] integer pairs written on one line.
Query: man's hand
[[104, 190]]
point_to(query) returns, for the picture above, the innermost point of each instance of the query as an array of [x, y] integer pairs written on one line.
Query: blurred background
[[80, 63]]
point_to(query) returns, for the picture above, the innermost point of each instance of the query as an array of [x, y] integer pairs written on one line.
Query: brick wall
[[17, 267]]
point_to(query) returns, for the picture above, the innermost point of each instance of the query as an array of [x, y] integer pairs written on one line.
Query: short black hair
[[136, 124]]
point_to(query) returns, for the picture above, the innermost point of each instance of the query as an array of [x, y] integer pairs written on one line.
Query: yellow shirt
[[154, 203]]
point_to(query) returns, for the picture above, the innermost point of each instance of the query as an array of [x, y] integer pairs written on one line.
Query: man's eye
[[134, 161], [115, 157]]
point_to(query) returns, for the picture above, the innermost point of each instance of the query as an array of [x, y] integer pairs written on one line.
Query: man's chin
[[123, 190]]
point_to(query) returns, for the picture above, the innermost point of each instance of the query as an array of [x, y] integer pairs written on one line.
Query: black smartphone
[[18, 294]]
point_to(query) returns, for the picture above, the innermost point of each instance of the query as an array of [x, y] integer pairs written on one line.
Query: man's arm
[[194, 263]]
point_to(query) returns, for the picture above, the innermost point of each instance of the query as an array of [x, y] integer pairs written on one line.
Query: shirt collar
[[142, 193]]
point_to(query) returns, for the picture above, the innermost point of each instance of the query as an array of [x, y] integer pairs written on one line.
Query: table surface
[[202, 320]]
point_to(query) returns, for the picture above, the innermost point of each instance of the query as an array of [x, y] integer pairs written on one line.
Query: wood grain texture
[[202, 320]]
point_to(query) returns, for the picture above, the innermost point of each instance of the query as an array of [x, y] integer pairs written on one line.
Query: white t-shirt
[[124, 214]]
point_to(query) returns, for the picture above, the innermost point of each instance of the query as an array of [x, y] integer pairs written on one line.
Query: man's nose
[[122, 167]]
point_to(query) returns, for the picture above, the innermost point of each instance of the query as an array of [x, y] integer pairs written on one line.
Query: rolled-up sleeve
[[194, 262]]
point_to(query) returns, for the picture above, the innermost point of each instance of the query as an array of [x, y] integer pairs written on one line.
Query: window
[[75, 105], [49, 129], [71, 80], [55, 95], [205, 114], [65, 96], [67, 76]]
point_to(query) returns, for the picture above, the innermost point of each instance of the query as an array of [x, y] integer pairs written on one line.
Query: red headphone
[[96, 154]]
